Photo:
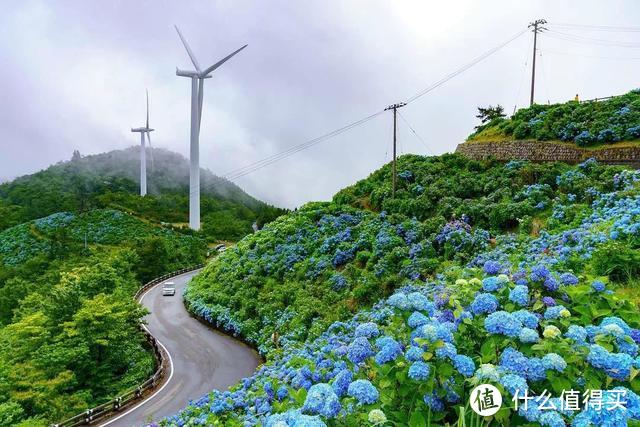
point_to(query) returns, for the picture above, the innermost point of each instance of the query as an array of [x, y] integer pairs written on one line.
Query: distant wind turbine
[[143, 152], [197, 87]]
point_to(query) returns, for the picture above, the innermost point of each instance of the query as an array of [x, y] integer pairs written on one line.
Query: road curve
[[202, 359]]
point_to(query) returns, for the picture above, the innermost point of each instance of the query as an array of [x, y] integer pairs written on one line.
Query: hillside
[[69, 328], [586, 124], [111, 180], [389, 311]]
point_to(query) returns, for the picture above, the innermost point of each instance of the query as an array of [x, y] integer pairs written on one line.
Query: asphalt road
[[202, 358]]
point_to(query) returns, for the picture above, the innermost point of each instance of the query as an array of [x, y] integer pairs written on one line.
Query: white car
[[169, 289]]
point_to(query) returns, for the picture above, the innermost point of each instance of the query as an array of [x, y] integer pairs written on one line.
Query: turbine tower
[[143, 151], [197, 86]]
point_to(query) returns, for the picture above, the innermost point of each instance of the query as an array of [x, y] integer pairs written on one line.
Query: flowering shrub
[[583, 123], [527, 313]]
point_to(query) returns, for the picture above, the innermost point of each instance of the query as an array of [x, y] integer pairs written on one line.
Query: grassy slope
[[615, 121]]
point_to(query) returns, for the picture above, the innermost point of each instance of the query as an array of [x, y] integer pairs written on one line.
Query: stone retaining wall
[[538, 151]]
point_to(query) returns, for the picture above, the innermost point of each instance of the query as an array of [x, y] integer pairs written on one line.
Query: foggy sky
[[73, 76]]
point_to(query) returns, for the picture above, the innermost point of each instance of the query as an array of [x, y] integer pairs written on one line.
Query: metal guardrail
[[99, 412]]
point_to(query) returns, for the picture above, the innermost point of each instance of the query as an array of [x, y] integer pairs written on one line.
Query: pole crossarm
[[395, 106]]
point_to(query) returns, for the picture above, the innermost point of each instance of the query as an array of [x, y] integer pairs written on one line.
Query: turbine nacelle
[[142, 130], [192, 74]]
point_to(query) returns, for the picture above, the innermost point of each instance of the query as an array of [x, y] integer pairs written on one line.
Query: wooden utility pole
[[537, 28], [395, 107]]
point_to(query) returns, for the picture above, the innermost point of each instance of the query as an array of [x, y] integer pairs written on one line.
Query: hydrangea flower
[[576, 333], [364, 392], [597, 286], [519, 295], [551, 332], [367, 330], [322, 400], [341, 382], [492, 267], [390, 349], [503, 323], [484, 303], [419, 371], [464, 365], [568, 279], [359, 350], [414, 354], [417, 319], [554, 361], [377, 417], [492, 284], [487, 372], [528, 336]]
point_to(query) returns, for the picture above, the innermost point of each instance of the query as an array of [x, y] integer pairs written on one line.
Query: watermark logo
[[485, 400]]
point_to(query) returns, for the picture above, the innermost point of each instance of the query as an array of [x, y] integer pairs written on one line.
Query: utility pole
[[395, 107], [537, 28]]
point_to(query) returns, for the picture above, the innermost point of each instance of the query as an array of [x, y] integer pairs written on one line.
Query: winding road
[[202, 359]]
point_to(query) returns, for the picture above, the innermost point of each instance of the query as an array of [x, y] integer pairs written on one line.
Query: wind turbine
[[197, 86], [143, 152]]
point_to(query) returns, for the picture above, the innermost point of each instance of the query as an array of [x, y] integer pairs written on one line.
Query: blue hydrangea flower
[[398, 300], [390, 349], [514, 383], [419, 302], [417, 319], [367, 330], [484, 303], [539, 273], [322, 400], [527, 318], [282, 393], [568, 279], [528, 336], [419, 371], [364, 392], [341, 382], [447, 351], [414, 354], [492, 267], [434, 402], [598, 286], [491, 284], [503, 323], [464, 365], [359, 350], [519, 295], [554, 361], [577, 333], [554, 312]]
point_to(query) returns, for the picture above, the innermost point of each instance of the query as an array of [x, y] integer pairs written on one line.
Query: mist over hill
[[111, 180]]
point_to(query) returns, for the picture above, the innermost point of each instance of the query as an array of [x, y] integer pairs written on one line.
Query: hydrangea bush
[[586, 123], [526, 313]]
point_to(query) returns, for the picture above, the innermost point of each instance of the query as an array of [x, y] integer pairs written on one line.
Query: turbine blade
[[189, 51], [150, 150], [222, 61], [147, 109], [200, 96]]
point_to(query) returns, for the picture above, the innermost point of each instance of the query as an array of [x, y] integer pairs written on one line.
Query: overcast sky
[[73, 75]]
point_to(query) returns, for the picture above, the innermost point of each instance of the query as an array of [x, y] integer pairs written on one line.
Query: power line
[[590, 40], [584, 27], [416, 133], [252, 167], [619, 58], [463, 68]]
